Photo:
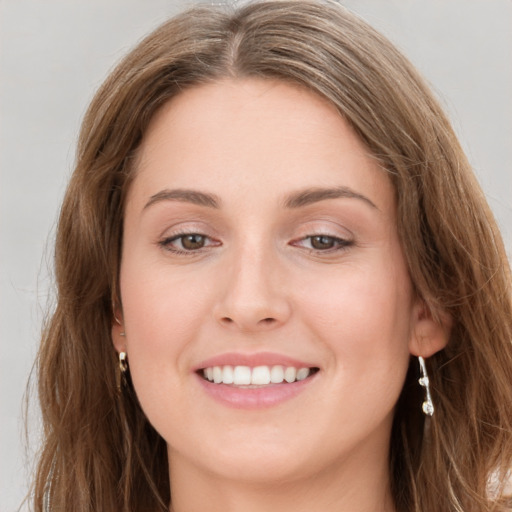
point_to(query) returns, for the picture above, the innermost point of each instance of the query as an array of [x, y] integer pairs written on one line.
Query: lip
[[254, 398], [256, 359]]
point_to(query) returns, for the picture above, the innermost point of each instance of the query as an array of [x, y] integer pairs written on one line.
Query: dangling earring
[[427, 406], [123, 368]]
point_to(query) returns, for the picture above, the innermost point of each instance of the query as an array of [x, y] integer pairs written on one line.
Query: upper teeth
[[259, 375]]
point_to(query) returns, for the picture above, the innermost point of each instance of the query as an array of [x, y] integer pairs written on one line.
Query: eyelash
[[166, 243], [340, 244]]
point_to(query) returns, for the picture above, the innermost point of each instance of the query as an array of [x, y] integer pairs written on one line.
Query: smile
[[254, 381], [255, 376]]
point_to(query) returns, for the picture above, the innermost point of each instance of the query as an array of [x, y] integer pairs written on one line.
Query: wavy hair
[[99, 450]]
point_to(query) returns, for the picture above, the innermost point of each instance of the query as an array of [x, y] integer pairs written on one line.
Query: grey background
[[54, 54]]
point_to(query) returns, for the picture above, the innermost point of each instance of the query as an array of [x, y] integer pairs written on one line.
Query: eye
[[187, 242], [323, 243], [192, 242]]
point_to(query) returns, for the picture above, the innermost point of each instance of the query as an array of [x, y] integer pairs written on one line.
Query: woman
[[270, 237]]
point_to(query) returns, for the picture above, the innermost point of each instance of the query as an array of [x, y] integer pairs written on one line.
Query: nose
[[254, 296]]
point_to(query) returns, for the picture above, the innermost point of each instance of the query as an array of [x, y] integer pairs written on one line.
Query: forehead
[[256, 138]]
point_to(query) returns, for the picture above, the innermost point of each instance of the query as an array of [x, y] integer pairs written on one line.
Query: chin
[[250, 459], [264, 471]]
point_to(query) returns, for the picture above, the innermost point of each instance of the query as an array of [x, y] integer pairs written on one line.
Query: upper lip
[[252, 360]]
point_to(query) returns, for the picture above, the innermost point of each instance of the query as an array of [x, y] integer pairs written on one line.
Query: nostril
[[249, 322]]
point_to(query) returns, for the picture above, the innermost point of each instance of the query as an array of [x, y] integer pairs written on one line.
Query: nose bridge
[[253, 298]]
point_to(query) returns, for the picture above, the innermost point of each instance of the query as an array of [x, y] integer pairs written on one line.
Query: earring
[[123, 363], [123, 368], [427, 406]]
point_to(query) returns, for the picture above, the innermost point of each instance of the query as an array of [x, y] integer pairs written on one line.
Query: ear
[[118, 336], [429, 334]]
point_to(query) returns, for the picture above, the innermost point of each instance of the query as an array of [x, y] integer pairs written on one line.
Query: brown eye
[[322, 242], [192, 241], [188, 243], [326, 244]]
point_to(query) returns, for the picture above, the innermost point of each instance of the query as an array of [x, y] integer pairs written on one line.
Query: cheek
[[363, 316], [159, 302], [161, 321], [162, 317], [358, 300]]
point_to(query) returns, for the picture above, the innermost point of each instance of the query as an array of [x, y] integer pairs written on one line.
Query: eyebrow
[[314, 195], [185, 195], [296, 200]]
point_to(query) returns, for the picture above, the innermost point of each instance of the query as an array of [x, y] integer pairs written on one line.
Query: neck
[[357, 484]]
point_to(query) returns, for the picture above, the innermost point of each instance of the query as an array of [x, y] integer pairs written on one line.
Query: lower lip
[[255, 398]]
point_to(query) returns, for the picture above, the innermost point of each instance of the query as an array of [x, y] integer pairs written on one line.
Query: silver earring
[[427, 406], [123, 363], [123, 368]]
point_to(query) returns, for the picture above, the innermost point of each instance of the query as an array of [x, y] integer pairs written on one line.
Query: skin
[[260, 284]]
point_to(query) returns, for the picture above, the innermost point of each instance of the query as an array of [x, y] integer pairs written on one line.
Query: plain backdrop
[[54, 54]]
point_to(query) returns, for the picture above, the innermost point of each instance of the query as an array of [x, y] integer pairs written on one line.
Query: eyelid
[[185, 227], [341, 242], [323, 226], [177, 236], [165, 242]]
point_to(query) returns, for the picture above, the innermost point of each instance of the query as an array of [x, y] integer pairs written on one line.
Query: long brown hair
[[99, 451]]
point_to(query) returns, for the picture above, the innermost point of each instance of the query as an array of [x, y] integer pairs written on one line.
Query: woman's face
[[260, 244]]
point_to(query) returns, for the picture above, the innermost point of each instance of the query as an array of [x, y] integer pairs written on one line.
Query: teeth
[[302, 373], [260, 375], [290, 373], [277, 374], [227, 375], [257, 376], [217, 374], [241, 375]]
